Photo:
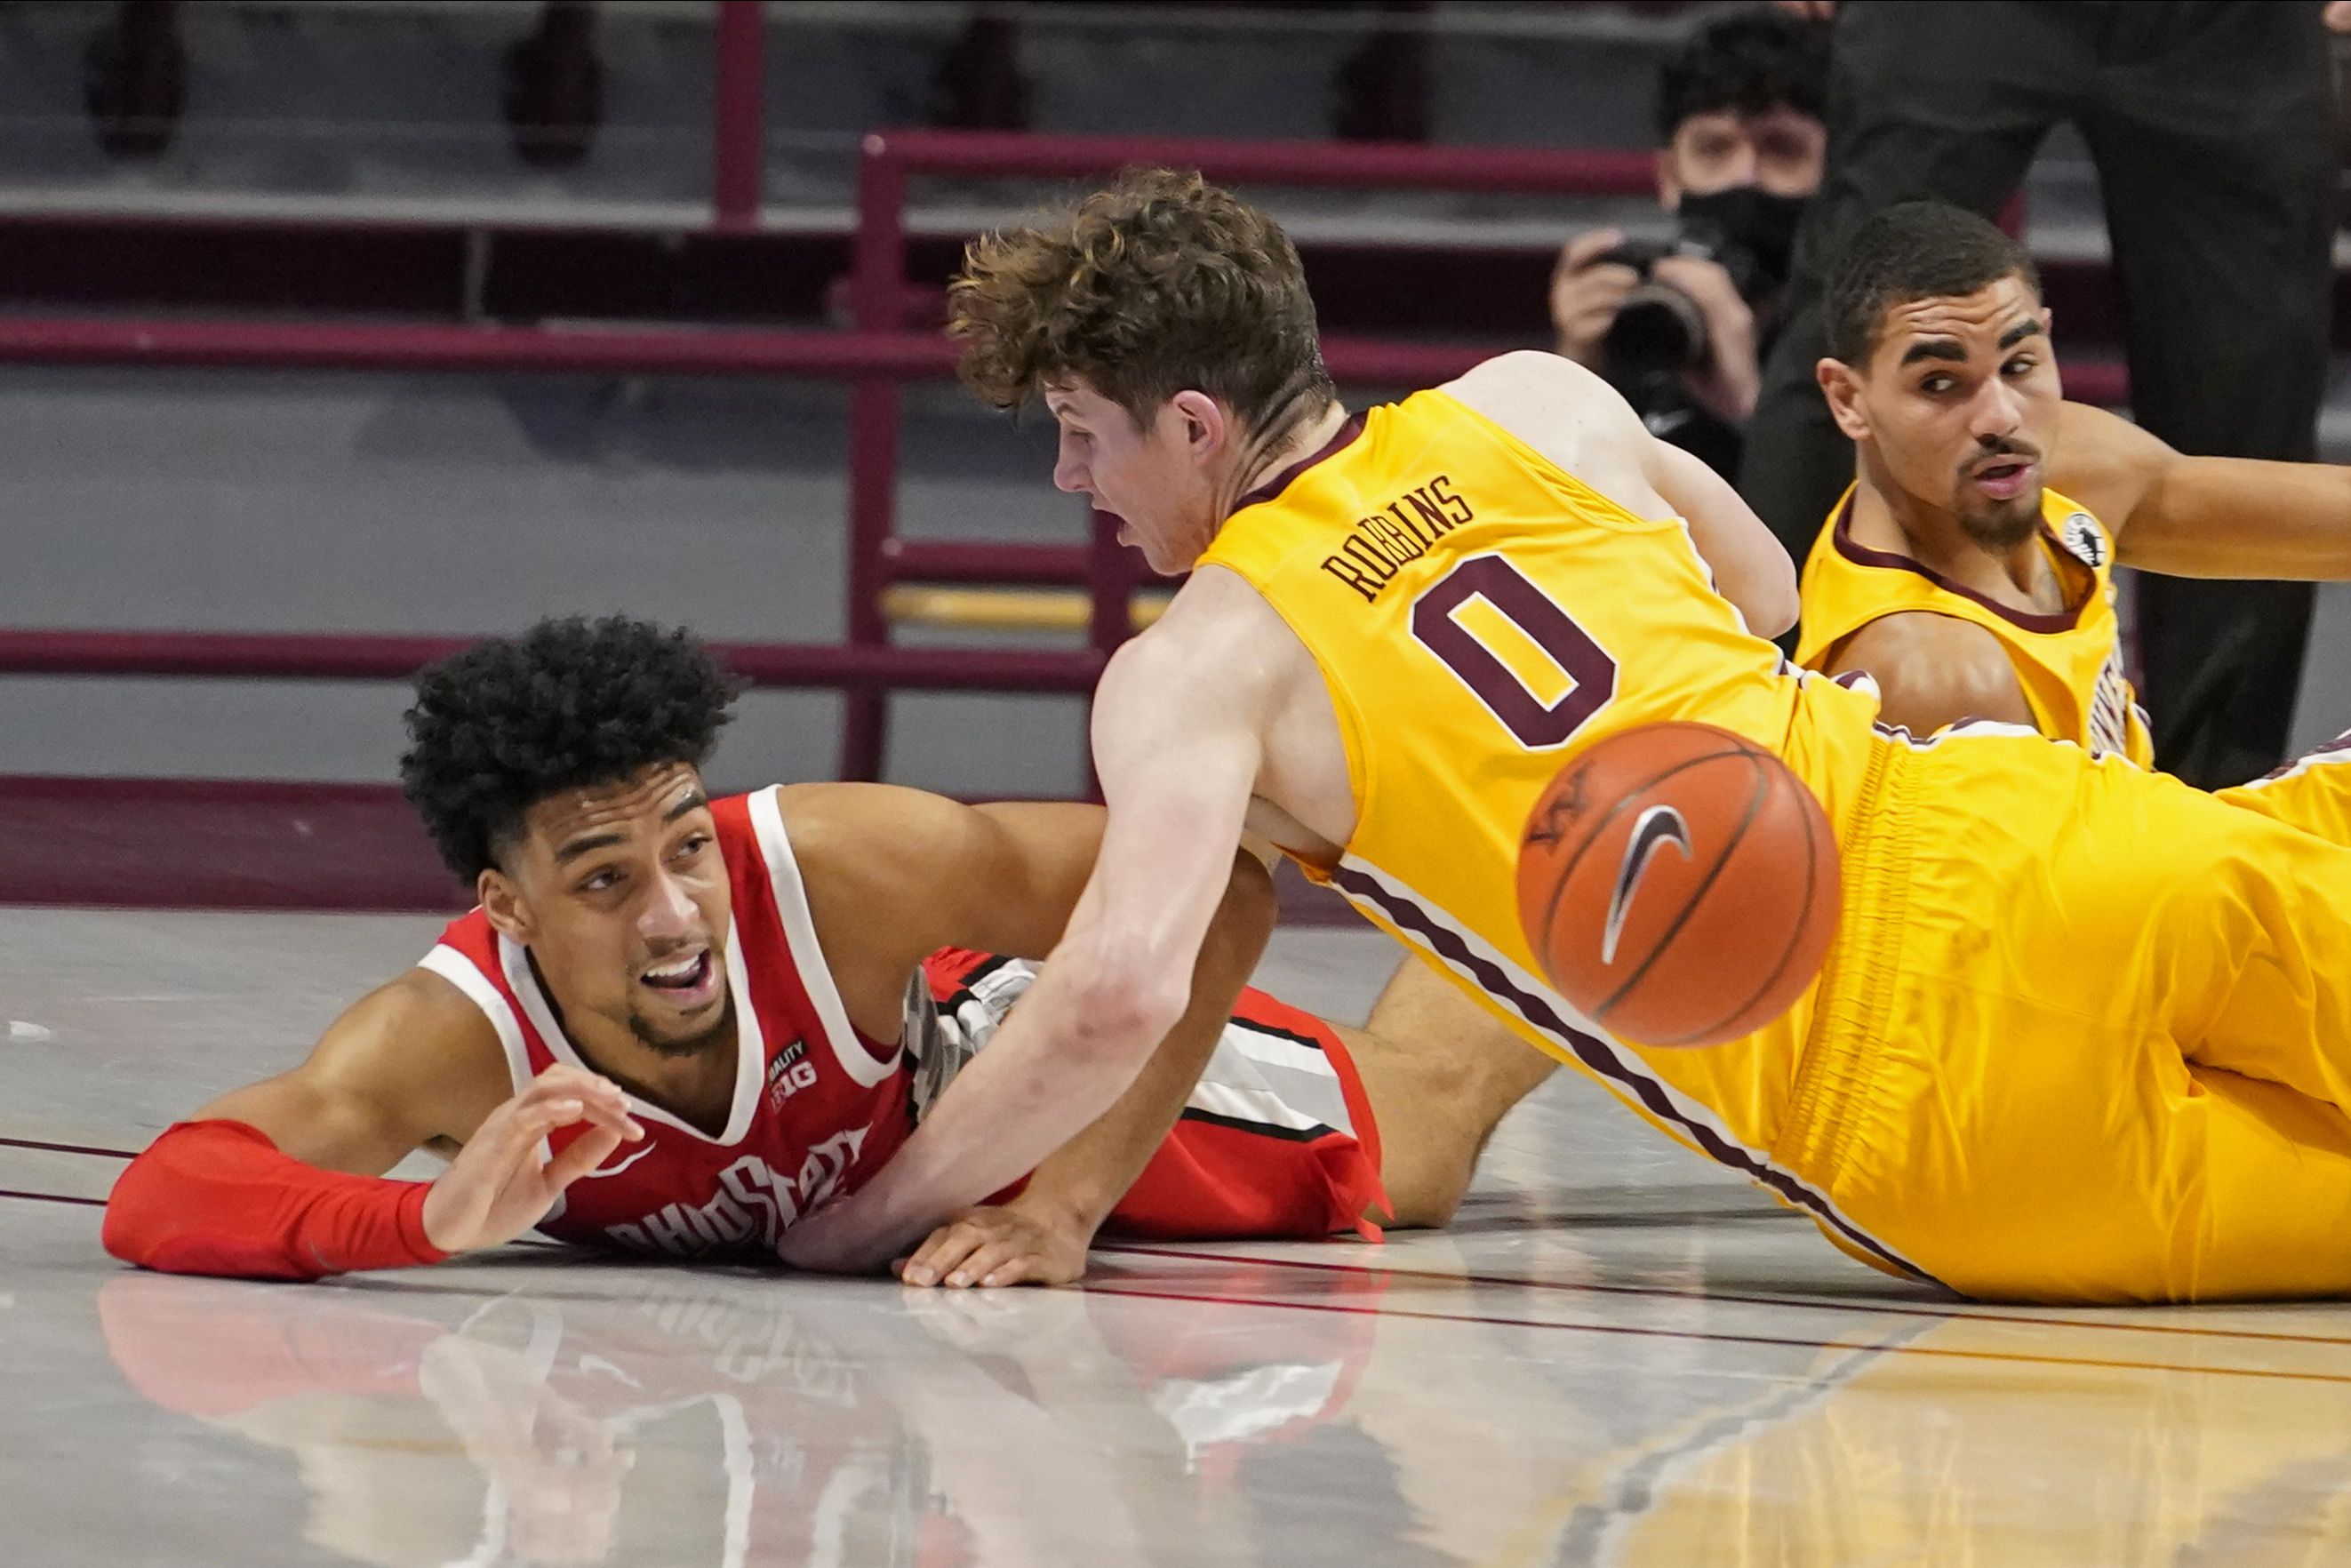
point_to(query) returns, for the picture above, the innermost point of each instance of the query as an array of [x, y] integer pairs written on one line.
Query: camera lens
[[1658, 327]]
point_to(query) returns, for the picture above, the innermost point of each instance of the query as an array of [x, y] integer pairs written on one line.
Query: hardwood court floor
[[1618, 1355]]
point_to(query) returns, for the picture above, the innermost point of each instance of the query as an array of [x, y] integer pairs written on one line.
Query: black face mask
[[1749, 230]]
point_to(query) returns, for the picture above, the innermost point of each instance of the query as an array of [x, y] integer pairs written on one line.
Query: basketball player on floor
[[1969, 571], [2084, 1034], [676, 1025]]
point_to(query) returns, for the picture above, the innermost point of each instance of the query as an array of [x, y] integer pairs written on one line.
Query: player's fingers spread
[[610, 1111], [566, 1082], [603, 1098], [559, 1078], [584, 1154], [532, 1123], [510, 1129]]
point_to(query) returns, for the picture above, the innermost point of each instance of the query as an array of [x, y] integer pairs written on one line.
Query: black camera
[[1659, 329]]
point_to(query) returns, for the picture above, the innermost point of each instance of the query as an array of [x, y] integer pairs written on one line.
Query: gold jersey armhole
[[1613, 512]]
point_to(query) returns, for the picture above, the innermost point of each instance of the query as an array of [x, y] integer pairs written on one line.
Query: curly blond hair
[[1159, 284]]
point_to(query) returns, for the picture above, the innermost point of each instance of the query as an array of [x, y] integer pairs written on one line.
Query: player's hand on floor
[[1007, 1244], [497, 1187]]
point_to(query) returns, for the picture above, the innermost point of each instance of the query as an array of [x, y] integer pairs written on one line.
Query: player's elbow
[[1120, 1007], [1770, 601]]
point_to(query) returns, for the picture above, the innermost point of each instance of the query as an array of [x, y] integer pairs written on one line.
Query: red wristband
[[219, 1197]]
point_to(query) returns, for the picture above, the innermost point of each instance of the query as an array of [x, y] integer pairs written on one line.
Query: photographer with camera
[[1680, 328]]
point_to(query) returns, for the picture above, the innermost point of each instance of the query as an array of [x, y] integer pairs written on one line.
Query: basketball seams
[[1804, 911], [1760, 792], [1624, 802], [1693, 915]]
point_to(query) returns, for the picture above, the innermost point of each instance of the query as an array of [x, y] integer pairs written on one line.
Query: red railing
[[876, 358], [878, 298]]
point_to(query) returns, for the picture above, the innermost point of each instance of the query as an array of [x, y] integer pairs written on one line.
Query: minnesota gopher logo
[[2083, 540]]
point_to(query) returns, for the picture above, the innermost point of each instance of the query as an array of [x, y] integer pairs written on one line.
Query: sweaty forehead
[[564, 819]]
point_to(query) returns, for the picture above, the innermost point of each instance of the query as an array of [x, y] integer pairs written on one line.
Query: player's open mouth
[[685, 983], [2004, 480]]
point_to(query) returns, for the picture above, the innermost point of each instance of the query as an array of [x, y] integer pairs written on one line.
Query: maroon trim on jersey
[[1343, 439], [1862, 555]]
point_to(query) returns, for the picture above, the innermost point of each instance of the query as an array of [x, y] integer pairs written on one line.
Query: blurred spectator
[[2211, 125], [1679, 327]]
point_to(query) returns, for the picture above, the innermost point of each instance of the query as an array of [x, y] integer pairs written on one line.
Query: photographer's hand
[[1586, 293], [1732, 376]]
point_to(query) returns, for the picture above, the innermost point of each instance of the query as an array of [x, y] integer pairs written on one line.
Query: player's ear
[[1200, 421], [501, 902], [1841, 389]]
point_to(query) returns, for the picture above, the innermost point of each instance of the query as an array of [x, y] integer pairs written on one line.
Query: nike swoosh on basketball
[[1652, 830]]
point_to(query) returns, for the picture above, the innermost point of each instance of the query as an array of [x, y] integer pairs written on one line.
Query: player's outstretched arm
[[282, 1179], [1932, 670], [894, 874], [2203, 516], [1175, 745]]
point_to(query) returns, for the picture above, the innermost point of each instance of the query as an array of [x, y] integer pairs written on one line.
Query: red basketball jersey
[[818, 1107]]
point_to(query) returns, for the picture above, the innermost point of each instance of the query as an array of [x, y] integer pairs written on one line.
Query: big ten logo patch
[[2084, 540], [790, 1072]]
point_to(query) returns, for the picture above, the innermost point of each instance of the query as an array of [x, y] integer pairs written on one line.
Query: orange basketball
[[1678, 885]]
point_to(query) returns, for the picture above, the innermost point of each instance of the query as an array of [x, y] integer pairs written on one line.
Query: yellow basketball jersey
[[2070, 665], [1475, 611]]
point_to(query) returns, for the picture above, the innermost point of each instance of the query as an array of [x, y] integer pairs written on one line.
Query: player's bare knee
[[1426, 1190]]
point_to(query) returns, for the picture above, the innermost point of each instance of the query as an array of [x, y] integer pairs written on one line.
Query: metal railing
[[876, 359], [877, 356]]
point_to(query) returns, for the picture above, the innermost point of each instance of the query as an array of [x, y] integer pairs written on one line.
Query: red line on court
[[68, 1148], [53, 1197], [1897, 1309], [1894, 1309], [1699, 1334]]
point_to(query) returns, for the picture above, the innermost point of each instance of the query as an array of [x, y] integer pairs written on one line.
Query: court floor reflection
[[1618, 1355]]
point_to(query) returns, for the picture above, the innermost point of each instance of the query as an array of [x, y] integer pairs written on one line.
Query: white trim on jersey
[[1263, 1106], [1255, 1074], [2333, 754], [1432, 929], [751, 1045], [1275, 1050], [1298, 1078], [459, 971], [864, 1067]]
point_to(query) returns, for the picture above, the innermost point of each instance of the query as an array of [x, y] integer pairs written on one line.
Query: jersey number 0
[[1539, 725]]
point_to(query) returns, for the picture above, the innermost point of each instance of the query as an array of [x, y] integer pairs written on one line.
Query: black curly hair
[[570, 704]]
